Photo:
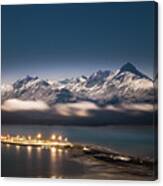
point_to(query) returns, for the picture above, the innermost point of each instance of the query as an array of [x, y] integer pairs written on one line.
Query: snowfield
[[125, 85]]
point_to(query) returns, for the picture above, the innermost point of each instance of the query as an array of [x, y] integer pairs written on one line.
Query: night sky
[[69, 40]]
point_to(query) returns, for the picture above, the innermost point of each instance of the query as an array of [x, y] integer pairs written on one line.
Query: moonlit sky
[[69, 40]]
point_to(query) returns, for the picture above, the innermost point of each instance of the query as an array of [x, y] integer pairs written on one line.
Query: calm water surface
[[25, 161]]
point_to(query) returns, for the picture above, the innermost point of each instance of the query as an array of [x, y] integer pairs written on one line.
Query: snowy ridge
[[126, 84]]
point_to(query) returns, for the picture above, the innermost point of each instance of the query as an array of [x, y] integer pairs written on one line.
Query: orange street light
[[60, 138], [53, 137], [39, 136]]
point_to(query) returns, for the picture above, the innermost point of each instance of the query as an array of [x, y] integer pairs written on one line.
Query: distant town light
[[29, 137], [53, 137], [39, 135], [54, 141], [60, 138]]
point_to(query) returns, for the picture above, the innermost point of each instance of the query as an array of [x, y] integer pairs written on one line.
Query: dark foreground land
[[79, 162]]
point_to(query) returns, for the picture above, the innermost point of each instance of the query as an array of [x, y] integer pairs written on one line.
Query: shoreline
[[103, 163], [100, 160]]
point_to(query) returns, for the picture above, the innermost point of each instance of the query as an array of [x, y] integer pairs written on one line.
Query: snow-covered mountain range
[[126, 84]]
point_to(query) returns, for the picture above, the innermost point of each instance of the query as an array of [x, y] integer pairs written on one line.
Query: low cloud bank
[[81, 113], [86, 109], [80, 109], [138, 107], [12, 105]]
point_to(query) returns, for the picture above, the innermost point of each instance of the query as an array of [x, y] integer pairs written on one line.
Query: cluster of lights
[[38, 140]]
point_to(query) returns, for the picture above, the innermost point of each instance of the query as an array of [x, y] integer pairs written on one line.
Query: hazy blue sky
[[58, 41]]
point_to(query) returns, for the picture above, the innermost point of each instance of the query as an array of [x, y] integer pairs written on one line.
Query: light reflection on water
[[38, 152], [53, 154], [29, 151], [53, 151], [29, 161], [8, 145], [17, 148], [135, 140], [56, 163]]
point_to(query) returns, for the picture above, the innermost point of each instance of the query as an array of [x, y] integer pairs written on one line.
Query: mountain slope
[[126, 84]]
